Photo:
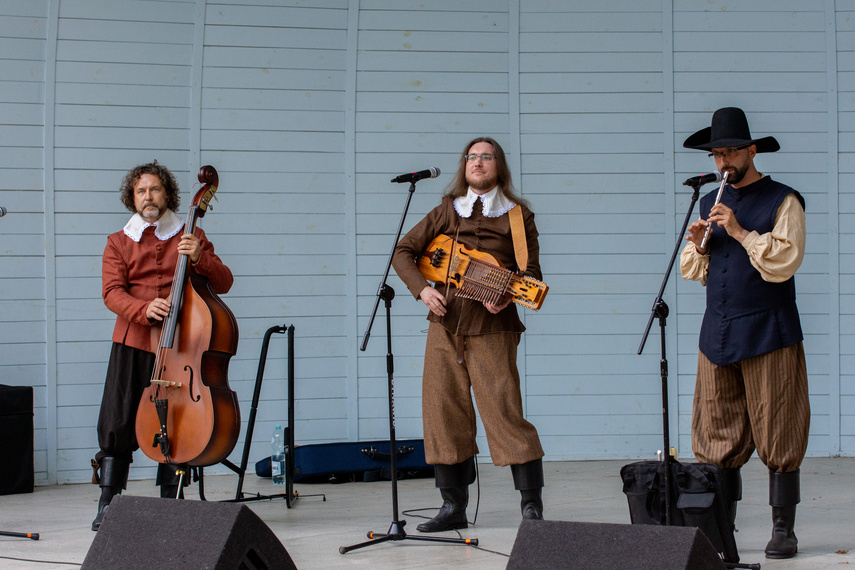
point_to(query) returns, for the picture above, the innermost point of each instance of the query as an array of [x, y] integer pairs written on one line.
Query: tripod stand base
[[30, 535], [396, 532], [291, 498]]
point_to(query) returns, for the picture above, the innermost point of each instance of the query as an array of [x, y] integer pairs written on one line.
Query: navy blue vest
[[746, 316]]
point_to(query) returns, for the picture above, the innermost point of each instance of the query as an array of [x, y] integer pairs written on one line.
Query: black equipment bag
[[696, 500], [643, 485]]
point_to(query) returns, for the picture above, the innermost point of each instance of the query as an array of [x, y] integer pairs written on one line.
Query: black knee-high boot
[[528, 480], [784, 495], [113, 479], [453, 482], [167, 479], [731, 490]]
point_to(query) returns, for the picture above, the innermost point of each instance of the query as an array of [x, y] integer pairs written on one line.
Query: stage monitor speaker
[[146, 532], [557, 544]]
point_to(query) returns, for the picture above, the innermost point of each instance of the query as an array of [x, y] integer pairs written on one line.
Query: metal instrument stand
[[289, 495]]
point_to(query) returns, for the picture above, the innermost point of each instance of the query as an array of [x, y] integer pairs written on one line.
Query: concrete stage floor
[[313, 529]]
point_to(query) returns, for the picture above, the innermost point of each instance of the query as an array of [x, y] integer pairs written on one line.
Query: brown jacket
[[488, 235]]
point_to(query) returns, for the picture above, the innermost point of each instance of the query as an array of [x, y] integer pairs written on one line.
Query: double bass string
[[167, 333]]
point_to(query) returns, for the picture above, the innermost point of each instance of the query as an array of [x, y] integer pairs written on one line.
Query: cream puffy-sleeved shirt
[[777, 255]]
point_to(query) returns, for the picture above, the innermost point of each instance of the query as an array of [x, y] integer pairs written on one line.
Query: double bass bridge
[[158, 382], [167, 383]]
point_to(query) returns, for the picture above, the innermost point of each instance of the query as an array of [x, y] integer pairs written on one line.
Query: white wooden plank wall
[[123, 73], [775, 68], [23, 32], [308, 109], [273, 122], [844, 22], [591, 134], [428, 81]]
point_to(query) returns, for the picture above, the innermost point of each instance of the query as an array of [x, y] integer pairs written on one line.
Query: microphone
[[703, 179], [3, 211], [416, 176]]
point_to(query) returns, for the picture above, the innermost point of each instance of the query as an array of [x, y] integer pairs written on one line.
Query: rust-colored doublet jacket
[[134, 273], [485, 234]]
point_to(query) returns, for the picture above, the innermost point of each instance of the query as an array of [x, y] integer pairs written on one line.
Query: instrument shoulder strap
[[518, 236]]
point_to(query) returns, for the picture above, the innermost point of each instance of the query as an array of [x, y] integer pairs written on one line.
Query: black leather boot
[[731, 490], [113, 479], [784, 495], [453, 482], [452, 513], [167, 479], [528, 480], [531, 504]]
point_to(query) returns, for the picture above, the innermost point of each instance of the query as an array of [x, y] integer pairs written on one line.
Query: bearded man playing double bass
[[137, 272]]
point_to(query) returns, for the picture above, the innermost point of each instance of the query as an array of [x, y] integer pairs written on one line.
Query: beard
[[482, 183], [151, 212], [736, 174]]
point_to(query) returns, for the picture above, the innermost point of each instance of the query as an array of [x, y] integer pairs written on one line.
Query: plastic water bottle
[[277, 459]]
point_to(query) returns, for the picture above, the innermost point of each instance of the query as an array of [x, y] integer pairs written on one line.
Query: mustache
[[148, 205]]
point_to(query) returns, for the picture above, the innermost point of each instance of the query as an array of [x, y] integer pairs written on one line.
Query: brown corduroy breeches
[[490, 370], [760, 401]]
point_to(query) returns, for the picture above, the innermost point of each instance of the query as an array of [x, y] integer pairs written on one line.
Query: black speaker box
[[599, 546], [145, 532], [16, 455]]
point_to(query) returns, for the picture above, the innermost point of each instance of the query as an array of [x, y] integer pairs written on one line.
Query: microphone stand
[[396, 529], [660, 311]]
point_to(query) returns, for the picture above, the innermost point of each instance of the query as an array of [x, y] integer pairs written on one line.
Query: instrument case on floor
[[353, 461]]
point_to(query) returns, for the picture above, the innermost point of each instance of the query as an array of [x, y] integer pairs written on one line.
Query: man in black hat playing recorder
[[751, 389]]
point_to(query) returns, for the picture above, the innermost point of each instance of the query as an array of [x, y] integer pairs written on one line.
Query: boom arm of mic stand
[[382, 289], [660, 309]]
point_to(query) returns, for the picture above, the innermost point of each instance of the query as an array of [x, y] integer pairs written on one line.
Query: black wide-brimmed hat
[[729, 128]]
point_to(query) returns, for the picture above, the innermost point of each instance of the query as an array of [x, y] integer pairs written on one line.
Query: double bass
[[188, 414]]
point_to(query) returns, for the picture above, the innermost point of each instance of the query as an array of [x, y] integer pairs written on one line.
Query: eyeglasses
[[483, 157], [727, 153]]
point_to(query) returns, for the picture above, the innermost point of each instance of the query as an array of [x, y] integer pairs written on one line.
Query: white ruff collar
[[167, 226], [493, 203]]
